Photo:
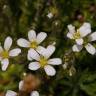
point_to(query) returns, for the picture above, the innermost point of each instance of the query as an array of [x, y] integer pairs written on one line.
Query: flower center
[[33, 44], [4, 54], [76, 35], [43, 61]]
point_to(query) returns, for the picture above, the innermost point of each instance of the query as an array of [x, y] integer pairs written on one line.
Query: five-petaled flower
[[82, 38], [42, 56], [33, 41], [5, 53]]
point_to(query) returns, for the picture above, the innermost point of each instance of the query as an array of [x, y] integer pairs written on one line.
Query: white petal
[[50, 50], [40, 37], [7, 43], [70, 35], [71, 28], [33, 54], [29, 57], [79, 41], [50, 70], [85, 29], [11, 93], [34, 66], [41, 50], [32, 35], [77, 48], [34, 93], [4, 64], [15, 52], [85, 32], [87, 25], [23, 43], [21, 85], [46, 52], [92, 37], [90, 48], [55, 61]]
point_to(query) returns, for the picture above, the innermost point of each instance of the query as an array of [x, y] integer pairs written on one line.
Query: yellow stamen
[[33, 44], [43, 61], [4, 54], [77, 35]]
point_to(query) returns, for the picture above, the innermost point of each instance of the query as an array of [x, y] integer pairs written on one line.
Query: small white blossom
[[42, 59], [80, 33], [82, 38], [50, 15], [6, 53], [33, 41]]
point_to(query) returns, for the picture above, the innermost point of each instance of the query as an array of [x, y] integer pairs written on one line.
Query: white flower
[[80, 33], [82, 38], [6, 53], [33, 41], [42, 59], [50, 15], [88, 46]]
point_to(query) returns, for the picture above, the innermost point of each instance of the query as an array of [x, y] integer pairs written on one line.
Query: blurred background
[[17, 17]]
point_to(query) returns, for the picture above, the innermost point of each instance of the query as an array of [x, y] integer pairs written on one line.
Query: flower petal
[[7, 43], [29, 57], [70, 35], [77, 48], [50, 50], [33, 54], [40, 37], [34, 66], [4, 64], [90, 48], [87, 25], [79, 41], [46, 52], [92, 37], [21, 84], [71, 28], [15, 52], [23, 43], [11, 93], [85, 29], [32, 35], [41, 50], [55, 61], [34, 93], [50, 70]]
